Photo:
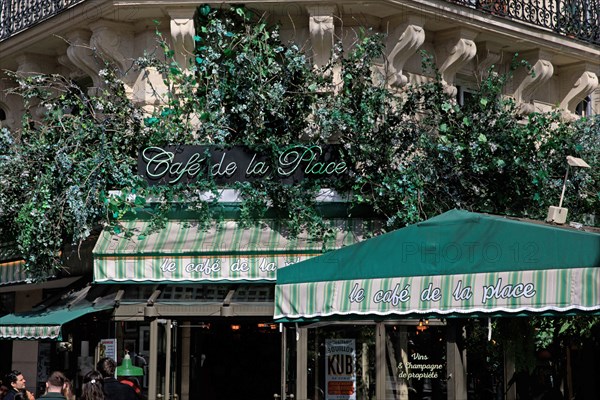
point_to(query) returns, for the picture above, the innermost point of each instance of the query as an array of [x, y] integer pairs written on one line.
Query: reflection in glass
[[351, 353], [415, 362]]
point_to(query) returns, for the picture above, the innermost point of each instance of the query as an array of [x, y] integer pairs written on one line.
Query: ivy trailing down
[[71, 166]]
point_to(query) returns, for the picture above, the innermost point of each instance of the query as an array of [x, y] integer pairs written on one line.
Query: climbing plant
[[412, 153]]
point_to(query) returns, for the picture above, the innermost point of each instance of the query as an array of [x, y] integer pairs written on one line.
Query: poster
[[108, 348], [340, 375]]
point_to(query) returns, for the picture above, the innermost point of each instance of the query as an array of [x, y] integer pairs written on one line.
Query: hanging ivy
[[71, 165]]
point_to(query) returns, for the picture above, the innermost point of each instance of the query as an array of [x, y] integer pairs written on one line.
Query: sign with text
[[511, 291], [419, 367], [340, 356], [170, 165], [196, 268]]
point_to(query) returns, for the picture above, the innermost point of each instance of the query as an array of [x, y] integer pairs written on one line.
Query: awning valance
[[12, 272], [456, 263], [225, 252], [12, 265], [46, 324]]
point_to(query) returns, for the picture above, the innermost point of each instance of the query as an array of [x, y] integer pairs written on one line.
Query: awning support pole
[[153, 367]]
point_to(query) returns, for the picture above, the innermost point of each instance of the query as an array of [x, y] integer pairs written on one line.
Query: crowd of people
[[98, 384]]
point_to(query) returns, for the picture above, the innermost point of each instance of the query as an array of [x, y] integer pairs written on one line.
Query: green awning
[[456, 263], [12, 272], [45, 324], [225, 252], [12, 265]]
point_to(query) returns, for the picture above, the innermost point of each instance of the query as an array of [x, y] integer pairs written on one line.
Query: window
[[464, 96], [584, 108]]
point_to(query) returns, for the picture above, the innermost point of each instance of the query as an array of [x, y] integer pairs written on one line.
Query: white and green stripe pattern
[[33, 332], [12, 266], [512, 292], [184, 252], [12, 272]]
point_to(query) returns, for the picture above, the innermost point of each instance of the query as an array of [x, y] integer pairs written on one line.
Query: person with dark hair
[[55, 386], [92, 388], [3, 390], [113, 389], [17, 388]]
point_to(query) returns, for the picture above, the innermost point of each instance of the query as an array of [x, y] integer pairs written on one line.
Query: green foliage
[[412, 155]]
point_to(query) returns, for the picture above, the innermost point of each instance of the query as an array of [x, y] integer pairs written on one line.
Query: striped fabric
[[12, 266], [185, 252], [12, 272], [511, 291], [32, 332], [44, 324]]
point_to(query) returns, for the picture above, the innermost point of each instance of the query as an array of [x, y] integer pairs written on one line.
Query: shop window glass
[[415, 362], [341, 362]]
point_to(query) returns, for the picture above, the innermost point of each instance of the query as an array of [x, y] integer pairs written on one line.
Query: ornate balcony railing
[[18, 15], [575, 18]]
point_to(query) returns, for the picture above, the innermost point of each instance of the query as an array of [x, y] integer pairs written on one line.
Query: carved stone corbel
[[402, 43], [81, 55], [454, 49], [182, 34], [114, 41], [528, 82], [321, 26], [577, 81], [72, 71], [488, 55]]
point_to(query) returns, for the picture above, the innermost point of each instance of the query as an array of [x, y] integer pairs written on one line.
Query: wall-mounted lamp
[[558, 214], [423, 326]]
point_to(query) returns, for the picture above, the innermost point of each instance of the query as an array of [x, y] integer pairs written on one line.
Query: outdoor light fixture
[[558, 214], [128, 369], [422, 326]]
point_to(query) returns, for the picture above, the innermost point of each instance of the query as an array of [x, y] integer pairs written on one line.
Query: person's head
[[92, 386], [16, 380], [107, 366], [68, 390], [3, 390], [57, 382]]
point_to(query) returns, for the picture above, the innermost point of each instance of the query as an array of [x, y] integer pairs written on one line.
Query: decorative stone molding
[[402, 43], [454, 49], [113, 41], [526, 83], [34, 63], [82, 56], [488, 55], [182, 34], [72, 71], [322, 32], [577, 81]]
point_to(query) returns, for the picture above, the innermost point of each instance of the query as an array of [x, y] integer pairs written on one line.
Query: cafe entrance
[[235, 360]]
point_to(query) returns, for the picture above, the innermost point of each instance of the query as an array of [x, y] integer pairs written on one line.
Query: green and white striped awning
[[456, 263], [45, 324], [12, 272], [226, 252], [12, 266]]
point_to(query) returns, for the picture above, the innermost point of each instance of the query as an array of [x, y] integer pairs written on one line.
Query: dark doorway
[[235, 360]]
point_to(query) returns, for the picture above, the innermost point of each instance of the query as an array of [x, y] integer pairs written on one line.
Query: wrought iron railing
[[575, 18], [18, 15]]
